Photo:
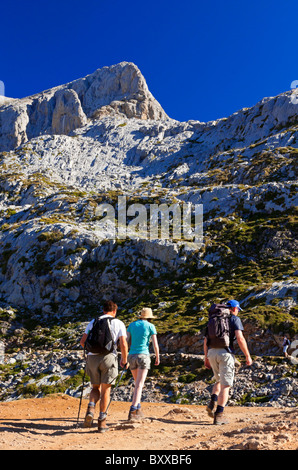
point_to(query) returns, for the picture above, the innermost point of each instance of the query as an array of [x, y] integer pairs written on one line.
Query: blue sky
[[201, 60]]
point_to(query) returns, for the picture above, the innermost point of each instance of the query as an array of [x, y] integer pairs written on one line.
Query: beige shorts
[[102, 369], [223, 366], [139, 361]]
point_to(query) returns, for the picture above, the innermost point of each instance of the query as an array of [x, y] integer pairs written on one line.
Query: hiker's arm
[[206, 360], [128, 338], [156, 349], [124, 351], [243, 346], [83, 340]]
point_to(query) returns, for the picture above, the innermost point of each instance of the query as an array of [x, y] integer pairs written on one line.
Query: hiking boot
[[209, 409], [140, 413], [88, 418], [219, 419], [102, 425], [133, 415]]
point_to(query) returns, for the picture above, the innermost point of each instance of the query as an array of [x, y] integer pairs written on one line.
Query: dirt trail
[[50, 424]]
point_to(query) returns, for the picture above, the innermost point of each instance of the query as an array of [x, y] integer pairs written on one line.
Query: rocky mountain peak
[[118, 90]]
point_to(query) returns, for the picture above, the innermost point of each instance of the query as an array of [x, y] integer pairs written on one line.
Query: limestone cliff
[[117, 90]]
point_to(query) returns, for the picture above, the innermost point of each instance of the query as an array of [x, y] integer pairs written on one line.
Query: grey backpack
[[218, 328]]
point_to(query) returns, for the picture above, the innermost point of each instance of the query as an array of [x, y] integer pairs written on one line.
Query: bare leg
[[139, 376], [93, 399], [103, 406], [222, 392], [216, 388], [94, 394], [105, 397], [223, 395]]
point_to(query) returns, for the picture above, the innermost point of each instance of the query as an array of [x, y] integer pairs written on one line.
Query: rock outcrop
[[119, 90]]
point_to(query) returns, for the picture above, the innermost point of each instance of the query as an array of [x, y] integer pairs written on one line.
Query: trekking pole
[[82, 391]]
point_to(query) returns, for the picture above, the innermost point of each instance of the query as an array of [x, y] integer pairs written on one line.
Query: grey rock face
[[68, 113], [117, 90]]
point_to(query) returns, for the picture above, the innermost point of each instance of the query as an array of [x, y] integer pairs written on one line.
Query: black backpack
[[99, 339], [218, 328]]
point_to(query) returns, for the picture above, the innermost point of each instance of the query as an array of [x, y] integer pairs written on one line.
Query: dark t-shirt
[[235, 324]]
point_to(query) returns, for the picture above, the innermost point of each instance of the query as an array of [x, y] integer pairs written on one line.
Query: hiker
[[221, 358], [102, 368], [139, 334], [285, 345]]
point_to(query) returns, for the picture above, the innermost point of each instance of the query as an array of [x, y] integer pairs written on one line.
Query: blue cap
[[233, 304]]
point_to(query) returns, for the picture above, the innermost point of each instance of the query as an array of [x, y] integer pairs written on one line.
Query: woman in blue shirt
[[139, 334]]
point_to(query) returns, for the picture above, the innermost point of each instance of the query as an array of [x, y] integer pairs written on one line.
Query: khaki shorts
[[223, 366], [139, 361], [102, 369]]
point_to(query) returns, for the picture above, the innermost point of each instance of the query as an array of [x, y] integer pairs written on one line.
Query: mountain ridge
[[58, 263]]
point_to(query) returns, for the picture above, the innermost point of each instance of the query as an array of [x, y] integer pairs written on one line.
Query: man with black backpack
[[100, 340], [224, 326]]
